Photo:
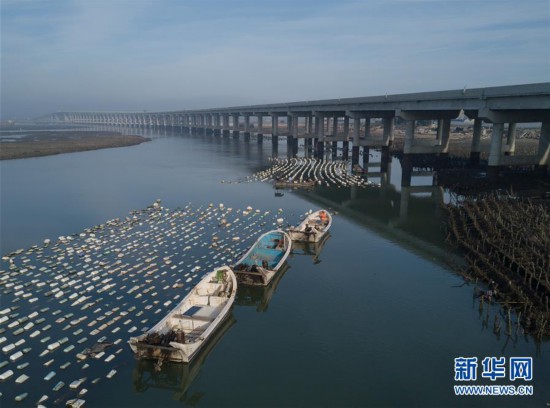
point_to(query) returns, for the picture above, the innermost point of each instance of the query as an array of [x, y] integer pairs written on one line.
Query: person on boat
[[323, 216]]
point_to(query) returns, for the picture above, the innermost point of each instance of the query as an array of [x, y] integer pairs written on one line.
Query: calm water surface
[[377, 322]]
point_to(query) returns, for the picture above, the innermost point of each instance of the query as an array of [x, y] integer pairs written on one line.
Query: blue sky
[[134, 55]]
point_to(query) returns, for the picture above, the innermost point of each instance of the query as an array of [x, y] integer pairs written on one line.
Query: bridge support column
[[289, 147], [495, 153], [445, 133], [345, 143], [292, 138], [406, 174], [511, 140], [476, 142], [388, 130], [225, 125], [345, 150], [543, 158], [260, 125], [246, 128], [409, 136], [320, 145], [334, 146], [366, 157], [236, 127], [366, 150], [355, 147], [274, 131], [385, 159], [289, 137]]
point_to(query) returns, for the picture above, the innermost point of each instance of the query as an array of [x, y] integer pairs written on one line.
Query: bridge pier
[[495, 153], [510, 140], [345, 143], [355, 146], [320, 150], [290, 145], [246, 128], [543, 155], [366, 156], [385, 159], [475, 151], [320, 142], [345, 150]]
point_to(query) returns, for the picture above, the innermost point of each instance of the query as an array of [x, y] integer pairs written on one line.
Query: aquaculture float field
[[70, 304], [294, 172]]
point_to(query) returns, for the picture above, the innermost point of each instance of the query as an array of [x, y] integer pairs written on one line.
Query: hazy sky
[[129, 55]]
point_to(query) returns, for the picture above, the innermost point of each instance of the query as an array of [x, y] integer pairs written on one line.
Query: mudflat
[[34, 144]]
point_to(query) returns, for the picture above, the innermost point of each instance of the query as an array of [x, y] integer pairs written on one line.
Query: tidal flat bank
[[35, 144]]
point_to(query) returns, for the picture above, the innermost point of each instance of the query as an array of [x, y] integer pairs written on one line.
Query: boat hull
[[304, 237], [312, 229], [264, 259], [180, 335]]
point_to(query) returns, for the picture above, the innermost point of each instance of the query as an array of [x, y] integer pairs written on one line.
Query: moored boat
[[180, 335], [264, 259], [313, 228]]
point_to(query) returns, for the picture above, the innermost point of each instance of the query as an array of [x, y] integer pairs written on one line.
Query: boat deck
[[266, 249]]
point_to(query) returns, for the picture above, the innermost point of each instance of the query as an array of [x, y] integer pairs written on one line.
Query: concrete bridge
[[327, 122]]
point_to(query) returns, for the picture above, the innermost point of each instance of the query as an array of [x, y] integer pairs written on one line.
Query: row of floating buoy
[[299, 171], [69, 305]]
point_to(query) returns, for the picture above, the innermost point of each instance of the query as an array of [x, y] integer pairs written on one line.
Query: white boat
[[313, 228], [181, 334], [264, 259]]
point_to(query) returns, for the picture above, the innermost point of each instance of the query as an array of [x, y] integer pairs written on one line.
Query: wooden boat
[[264, 259], [313, 228], [279, 184], [181, 334]]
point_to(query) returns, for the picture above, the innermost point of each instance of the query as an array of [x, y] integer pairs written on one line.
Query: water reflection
[[260, 296], [312, 249], [177, 377]]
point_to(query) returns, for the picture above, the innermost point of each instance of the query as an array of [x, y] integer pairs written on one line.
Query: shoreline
[[38, 144]]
